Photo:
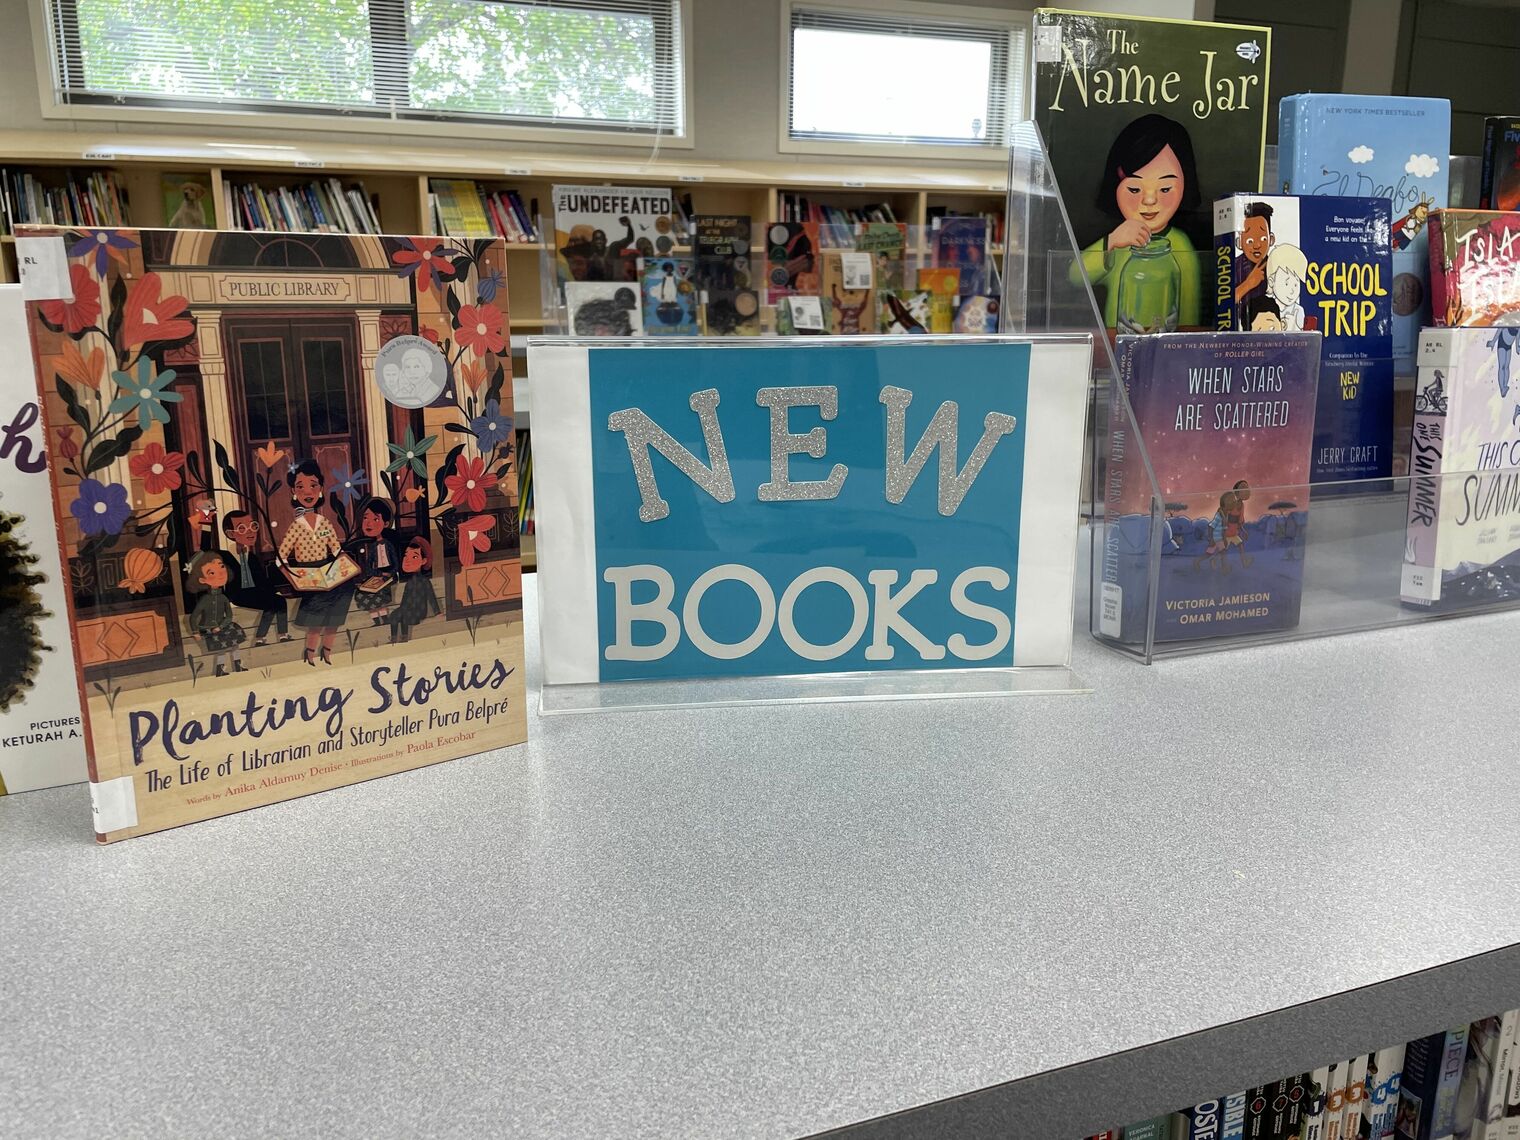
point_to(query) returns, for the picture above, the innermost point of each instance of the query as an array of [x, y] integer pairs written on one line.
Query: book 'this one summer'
[[1321, 265], [1462, 542], [41, 736], [285, 481], [1227, 421], [1148, 122]]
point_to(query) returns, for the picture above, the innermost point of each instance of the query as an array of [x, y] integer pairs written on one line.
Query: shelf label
[[688, 178], [519, 171], [311, 163], [853, 183], [100, 156], [44, 265]]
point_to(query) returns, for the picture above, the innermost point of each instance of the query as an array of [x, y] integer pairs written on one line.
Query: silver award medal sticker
[[410, 371]]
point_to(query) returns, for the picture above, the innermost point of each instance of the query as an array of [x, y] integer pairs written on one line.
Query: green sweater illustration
[[1103, 267]]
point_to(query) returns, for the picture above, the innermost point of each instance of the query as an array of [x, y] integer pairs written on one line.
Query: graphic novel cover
[[1375, 146], [1474, 268], [943, 286], [1462, 544], [1227, 420], [243, 407], [726, 284], [961, 244], [670, 296], [1499, 188], [603, 308], [1148, 121], [851, 311], [1320, 265], [600, 232], [905, 311], [791, 260], [887, 243], [41, 734]]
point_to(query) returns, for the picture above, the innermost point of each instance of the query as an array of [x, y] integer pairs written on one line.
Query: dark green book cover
[[1147, 122]]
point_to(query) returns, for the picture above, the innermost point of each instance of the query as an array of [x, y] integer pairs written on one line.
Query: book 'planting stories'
[[285, 480]]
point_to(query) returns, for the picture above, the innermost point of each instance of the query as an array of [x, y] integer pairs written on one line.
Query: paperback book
[[943, 286], [1227, 421], [234, 422], [961, 244], [1375, 146], [669, 296], [1148, 122], [791, 260], [730, 301], [41, 734], [603, 308], [1474, 268], [905, 311], [852, 306], [1462, 542], [600, 232], [1499, 188], [887, 243], [1320, 265]]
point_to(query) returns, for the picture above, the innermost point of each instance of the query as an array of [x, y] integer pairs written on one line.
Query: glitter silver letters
[[641, 433], [785, 443], [943, 433]]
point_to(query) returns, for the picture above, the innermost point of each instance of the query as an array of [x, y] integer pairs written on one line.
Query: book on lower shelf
[[465, 208], [93, 199], [325, 206]]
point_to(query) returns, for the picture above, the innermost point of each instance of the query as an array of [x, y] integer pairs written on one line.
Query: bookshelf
[[397, 180]]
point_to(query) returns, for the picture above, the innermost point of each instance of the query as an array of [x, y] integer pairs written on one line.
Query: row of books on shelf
[[1457, 1084], [526, 524], [461, 207], [93, 199], [311, 207]]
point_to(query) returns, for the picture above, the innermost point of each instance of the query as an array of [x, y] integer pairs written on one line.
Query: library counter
[[1027, 917]]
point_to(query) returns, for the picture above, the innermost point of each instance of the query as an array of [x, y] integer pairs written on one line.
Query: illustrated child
[[417, 598], [849, 316], [212, 617], [1227, 529], [1255, 239], [313, 541], [1262, 315], [1286, 269], [1150, 176], [376, 555], [1235, 523], [251, 586]]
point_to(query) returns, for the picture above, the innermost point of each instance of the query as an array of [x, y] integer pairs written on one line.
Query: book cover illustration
[[977, 315], [187, 202], [791, 260], [237, 405], [1148, 122], [887, 243], [719, 525], [1376, 146], [1474, 268], [850, 311], [669, 296], [1227, 420], [961, 244], [730, 301], [603, 308], [1499, 188], [1462, 542], [1323, 265], [905, 312], [600, 232], [943, 286], [41, 734]]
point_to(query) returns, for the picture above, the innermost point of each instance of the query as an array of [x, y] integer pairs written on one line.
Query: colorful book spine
[[1318, 1090], [1356, 1091], [1380, 1106], [1233, 1119], [1474, 268], [1499, 188], [1202, 1121]]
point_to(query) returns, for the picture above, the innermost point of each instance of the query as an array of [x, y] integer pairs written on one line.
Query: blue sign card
[[821, 506]]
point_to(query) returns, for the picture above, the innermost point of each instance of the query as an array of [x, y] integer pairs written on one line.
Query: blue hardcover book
[[1227, 421], [1319, 264], [669, 296], [1376, 146]]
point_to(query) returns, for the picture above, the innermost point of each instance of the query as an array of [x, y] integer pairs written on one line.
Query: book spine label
[[1233, 1122], [1202, 1121], [1421, 576], [1120, 433], [1224, 264], [1444, 1117]]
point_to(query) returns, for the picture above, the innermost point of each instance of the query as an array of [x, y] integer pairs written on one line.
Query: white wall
[[736, 78]]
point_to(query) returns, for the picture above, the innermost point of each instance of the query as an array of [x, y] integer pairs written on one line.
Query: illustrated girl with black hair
[[1149, 178], [313, 541], [376, 555], [212, 619], [418, 601], [21, 614]]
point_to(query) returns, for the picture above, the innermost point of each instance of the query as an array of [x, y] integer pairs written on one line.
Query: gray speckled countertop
[[767, 921]]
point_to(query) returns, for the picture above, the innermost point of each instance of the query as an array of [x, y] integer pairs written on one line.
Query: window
[[903, 74], [598, 64]]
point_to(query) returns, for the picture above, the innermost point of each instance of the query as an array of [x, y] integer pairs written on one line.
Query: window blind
[[898, 33], [598, 64]]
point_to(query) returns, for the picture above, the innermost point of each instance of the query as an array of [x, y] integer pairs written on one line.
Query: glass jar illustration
[[1150, 285]]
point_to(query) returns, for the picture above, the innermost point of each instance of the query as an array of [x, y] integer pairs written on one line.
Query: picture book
[[851, 310], [239, 405], [1320, 265], [1462, 542], [1147, 122], [904, 311], [1227, 420], [1375, 146], [670, 296], [41, 734], [961, 244], [887, 243], [943, 286], [730, 300], [603, 308], [977, 315], [1499, 188], [1474, 268], [188, 204], [600, 232], [791, 260]]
